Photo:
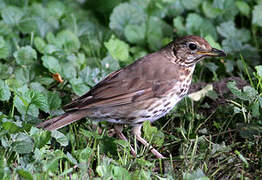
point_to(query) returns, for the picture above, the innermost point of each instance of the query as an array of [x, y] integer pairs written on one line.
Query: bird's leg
[[137, 132], [118, 129]]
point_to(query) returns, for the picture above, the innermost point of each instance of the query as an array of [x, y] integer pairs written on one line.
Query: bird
[[147, 89]]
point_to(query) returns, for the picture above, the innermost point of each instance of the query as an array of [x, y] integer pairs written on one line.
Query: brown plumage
[[145, 90]]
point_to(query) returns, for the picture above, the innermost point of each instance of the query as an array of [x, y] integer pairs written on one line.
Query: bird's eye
[[192, 46]]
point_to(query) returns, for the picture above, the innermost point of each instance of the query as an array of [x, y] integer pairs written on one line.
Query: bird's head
[[188, 50]]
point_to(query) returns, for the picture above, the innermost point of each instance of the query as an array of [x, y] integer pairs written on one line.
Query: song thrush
[[145, 90]]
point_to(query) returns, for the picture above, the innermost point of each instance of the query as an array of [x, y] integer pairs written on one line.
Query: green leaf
[[249, 131], [39, 100], [28, 25], [40, 137], [53, 100], [37, 87], [68, 70], [71, 158], [60, 138], [259, 70], [5, 29], [5, 71], [118, 49], [227, 7], [178, 23], [25, 55], [126, 14], [79, 87], [191, 4], [40, 44], [51, 63], [24, 75], [229, 31], [257, 15], [234, 89], [135, 33], [85, 154], [195, 24], [90, 76], [22, 144], [29, 102], [10, 126], [152, 134], [229, 64], [210, 11], [4, 48], [212, 42], [196, 175], [154, 35], [12, 15], [56, 9], [22, 104], [255, 109], [243, 7], [4, 91], [24, 174], [109, 64], [248, 93], [68, 40]]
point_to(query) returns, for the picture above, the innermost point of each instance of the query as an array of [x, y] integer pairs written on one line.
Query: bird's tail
[[62, 120]]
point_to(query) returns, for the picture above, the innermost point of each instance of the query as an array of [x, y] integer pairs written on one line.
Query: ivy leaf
[[25, 55]]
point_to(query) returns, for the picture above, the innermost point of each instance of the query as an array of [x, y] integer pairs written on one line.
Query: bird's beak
[[214, 52]]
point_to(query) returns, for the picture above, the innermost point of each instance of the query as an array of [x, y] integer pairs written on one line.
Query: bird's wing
[[134, 83]]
